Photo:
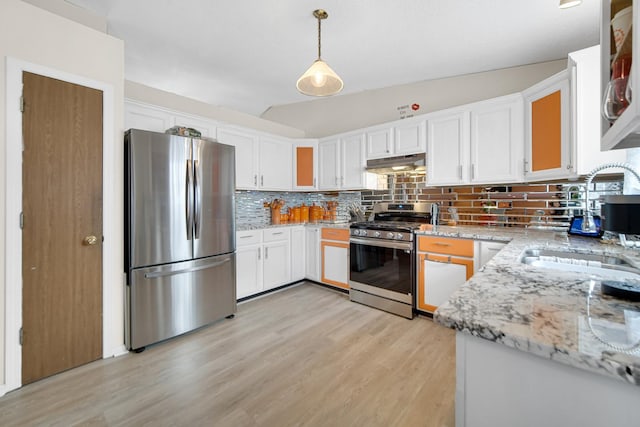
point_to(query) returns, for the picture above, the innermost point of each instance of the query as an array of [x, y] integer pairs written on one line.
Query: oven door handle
[[382, 244]]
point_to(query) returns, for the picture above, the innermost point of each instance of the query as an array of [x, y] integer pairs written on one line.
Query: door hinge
[[21, 104], [21, 220], [21, 336]]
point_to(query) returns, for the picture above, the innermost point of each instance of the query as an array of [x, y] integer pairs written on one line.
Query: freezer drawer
[[169, 300]]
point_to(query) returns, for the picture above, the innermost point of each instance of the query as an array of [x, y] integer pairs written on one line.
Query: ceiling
[[247, 55]]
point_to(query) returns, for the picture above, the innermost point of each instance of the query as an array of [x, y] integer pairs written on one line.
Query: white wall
[[138, 92], [333, 115], [31, 35], [73, 12]]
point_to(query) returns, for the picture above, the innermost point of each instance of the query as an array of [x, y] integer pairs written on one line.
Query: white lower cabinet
[[444, 264], [488, 249], [298, 253], [334, 249], [277, 257], [263, 260], [312, 255], [248, 263]]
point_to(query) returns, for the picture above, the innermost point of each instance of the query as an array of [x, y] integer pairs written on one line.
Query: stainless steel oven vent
[[415, 163]]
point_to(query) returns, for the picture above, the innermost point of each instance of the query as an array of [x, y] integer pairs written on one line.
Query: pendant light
[[319, 79], [565, 4]]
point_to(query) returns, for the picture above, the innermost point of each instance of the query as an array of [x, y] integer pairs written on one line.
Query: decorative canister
[[296, 213], [304, 213], [275, 215], [315, 213]]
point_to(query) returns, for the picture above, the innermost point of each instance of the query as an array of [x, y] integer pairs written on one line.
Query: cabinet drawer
[[276, 234], [446, 245], [341, 234], [248, 237]]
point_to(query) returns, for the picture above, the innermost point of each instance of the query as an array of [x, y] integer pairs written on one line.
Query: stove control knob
[[399, 236], [363, 233], [376, 234], [390, 235]]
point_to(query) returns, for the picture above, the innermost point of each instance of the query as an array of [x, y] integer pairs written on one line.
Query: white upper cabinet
[[275, 164], [496, 140], [379, 143], [624, 132], [562, 118], [329, 160], [476, 143], [410, 137], [262, 162], [207, 128], [548, 129], [146, 117], [585, 104], [399, 138], [247, 173], [341, 163], [352, 163], [138, 115], [447, 147]]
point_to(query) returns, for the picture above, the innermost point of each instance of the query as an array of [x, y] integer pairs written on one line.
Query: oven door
[[385, 268]]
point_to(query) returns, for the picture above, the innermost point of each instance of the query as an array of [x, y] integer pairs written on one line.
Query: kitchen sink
[[603, 265]]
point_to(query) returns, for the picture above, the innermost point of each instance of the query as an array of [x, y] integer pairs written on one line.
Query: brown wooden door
[[62, 205]]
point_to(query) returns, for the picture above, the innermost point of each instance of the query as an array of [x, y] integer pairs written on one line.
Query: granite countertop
[[544, 311], [246, 227]]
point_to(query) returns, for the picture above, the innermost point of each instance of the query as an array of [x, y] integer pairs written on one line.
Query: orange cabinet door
[[438, 277], [446, 245], [304, 167]]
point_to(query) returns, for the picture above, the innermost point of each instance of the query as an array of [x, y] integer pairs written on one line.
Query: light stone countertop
[[543, 311], [328, 224]]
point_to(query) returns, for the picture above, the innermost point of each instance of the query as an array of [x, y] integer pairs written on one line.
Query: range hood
[[398, 164]]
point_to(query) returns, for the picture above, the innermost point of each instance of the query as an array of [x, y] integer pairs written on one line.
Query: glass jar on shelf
[[616, 98]]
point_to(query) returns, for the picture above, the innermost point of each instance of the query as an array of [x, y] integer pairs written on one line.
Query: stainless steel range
[[382, 270]]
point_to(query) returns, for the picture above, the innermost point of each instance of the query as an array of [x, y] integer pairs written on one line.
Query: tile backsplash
[[250, 208], [547, 204]]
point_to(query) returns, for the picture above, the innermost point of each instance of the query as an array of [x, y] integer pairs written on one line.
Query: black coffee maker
[[621, 214]]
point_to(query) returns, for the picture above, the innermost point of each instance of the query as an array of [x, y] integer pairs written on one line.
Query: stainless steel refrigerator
[[180, 235]]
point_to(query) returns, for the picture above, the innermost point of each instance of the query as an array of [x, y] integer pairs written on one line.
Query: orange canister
[[296, 213], [316, 213], [304, 213]]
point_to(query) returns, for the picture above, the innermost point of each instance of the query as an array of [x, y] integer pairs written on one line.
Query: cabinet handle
[[279, 232], [336, 180], [266, 253], [246, 237], [259, 251], [441, 244], [460, 171], [526, 163], [448, 261], [314, 182], [261, 180]]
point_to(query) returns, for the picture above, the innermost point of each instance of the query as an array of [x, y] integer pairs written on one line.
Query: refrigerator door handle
[[157, 274], [189, 201], [197, 209]]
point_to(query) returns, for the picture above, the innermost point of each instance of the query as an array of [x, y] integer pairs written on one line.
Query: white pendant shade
[[565, 4], [319, 80]]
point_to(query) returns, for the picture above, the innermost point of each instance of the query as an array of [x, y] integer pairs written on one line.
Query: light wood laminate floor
[[305, 356]]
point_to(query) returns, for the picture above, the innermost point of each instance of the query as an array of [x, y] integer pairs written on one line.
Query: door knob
[[90, 240]]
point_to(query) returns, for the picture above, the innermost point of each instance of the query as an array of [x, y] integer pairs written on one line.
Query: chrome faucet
[[588, 223]]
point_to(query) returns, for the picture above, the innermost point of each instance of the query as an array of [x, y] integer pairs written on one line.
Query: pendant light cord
[[319, 21]]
